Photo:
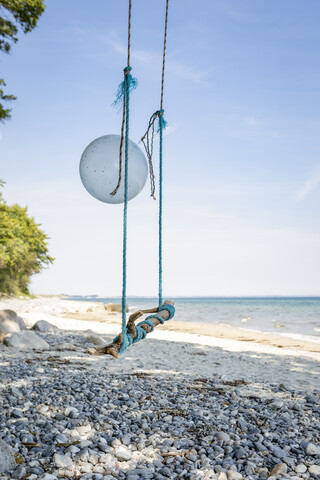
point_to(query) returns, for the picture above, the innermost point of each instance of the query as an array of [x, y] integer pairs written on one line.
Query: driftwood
[[114, 347]]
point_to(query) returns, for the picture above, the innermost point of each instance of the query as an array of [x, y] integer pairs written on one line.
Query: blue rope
[[127, 339], [160, 204], [125, 91]]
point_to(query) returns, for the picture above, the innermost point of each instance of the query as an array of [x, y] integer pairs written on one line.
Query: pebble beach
[[188, 402]]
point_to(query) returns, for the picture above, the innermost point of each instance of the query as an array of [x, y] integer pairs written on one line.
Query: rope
[[124, 94], [120, 97], [164, 53], [148, 141], [141, 333]]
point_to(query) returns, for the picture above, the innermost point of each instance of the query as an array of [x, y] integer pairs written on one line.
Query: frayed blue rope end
[[133, 83], [162, 122]]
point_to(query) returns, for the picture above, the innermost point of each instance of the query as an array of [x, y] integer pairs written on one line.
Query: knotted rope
[[141, 333]]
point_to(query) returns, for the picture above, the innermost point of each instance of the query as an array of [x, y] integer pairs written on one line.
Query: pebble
[[62, 461], [300, 468], [123, 454], [232, 475], [312, 449], [279, 469], [315, 469], [88, 424], [223, 437]]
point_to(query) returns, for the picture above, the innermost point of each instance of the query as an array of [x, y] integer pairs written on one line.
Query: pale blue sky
[[242, 164]]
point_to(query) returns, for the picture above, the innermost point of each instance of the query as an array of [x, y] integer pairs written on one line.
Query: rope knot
[[127, 70]]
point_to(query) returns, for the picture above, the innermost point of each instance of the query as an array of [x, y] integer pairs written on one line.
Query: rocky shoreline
[[61, 420], [162, 411]]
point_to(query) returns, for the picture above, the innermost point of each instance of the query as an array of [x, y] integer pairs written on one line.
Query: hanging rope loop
[[148, 142]]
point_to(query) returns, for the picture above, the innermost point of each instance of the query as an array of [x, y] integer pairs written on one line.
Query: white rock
[[300, 468], [98, 469], [84, 429], [312, 449], [107, 458], [315, 469], [96, 340], [122, 454], [25, 340], [62, 461], [7, 461], [222, 476], [232, 475], [44, 327]]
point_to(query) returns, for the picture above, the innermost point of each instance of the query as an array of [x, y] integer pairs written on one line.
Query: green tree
[[14, 14], [23, 248]]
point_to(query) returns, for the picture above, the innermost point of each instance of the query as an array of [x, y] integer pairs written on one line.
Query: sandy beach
[[184, 348]]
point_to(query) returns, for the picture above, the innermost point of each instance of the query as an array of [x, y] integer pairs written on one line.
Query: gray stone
[[223, 437], [19, 472], [192, 457], [123, 454], [7, 461], [25, 340], [44, 327], [278, 452], [11, 315]]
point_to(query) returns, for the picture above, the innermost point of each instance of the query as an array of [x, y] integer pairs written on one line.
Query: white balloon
[[99, 169]]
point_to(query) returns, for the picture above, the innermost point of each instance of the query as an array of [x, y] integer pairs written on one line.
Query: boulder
[[10, 322], [44, 327], [114, 307], [25, 340], [7, 461]]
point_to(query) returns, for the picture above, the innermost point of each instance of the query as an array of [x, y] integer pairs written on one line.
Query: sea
[[295, 317]]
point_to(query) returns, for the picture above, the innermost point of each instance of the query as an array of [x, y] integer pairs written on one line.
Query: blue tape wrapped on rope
[[127, 339]]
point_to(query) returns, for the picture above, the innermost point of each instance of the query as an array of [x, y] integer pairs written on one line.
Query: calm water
[[288, 315]]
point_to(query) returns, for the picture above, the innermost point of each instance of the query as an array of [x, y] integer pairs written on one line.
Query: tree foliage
[[23, 249], [14, 14]]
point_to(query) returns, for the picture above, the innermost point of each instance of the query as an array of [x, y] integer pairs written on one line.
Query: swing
[[97, 169]]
